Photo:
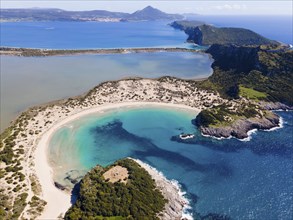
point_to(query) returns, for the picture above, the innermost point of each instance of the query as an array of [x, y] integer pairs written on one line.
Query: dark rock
[[240, 127], [59, 186]]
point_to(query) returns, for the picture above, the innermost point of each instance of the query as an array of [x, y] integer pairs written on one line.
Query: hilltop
[[149, 13], [259, 74], [203, 34], [133, 197], [53, 14]]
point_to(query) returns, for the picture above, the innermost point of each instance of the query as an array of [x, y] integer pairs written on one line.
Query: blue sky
[[201, 7]]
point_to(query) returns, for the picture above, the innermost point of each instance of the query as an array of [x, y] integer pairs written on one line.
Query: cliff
[[203, 34], [266, 73], [238, 128], [263, 75]]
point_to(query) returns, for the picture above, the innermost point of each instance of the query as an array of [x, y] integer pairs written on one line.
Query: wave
[[186, 211]]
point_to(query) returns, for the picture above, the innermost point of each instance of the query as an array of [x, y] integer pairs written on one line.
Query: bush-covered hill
[[252, 71], [203, 34], [99, 198]]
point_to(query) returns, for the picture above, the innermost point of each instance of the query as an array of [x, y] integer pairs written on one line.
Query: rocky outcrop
[[171, 191], [275, 106], [240, 128]]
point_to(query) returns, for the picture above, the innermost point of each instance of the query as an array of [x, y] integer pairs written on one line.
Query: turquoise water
[[28, 81], [241, 180], [82, 35]]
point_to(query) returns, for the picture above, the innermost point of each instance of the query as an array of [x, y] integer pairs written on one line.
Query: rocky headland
[[240, 127], [204, 34]]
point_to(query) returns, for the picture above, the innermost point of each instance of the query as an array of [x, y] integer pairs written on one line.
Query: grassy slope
[[270, 73], [251, 93], [251, 72]]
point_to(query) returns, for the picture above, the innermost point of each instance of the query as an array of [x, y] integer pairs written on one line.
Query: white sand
[[58, 201]]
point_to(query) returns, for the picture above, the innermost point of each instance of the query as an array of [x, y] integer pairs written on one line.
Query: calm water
[[27, 81], [81, 35], [243, 180], [278, 28]]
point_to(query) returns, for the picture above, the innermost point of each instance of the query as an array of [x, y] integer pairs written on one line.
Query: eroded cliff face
[[242, 59]]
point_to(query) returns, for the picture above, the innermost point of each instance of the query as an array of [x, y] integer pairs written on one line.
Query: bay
[[241, 180]]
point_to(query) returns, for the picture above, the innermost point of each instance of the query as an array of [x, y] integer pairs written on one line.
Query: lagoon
[[28, 81]]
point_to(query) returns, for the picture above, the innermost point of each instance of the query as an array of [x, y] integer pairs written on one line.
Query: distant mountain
[[52, 14], [204, 34], [150, 13]]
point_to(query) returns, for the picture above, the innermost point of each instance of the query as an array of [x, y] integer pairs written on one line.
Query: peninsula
[[204, 34]]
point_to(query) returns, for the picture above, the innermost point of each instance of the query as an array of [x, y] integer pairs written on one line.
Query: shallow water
[[243, 180], [27, 81]]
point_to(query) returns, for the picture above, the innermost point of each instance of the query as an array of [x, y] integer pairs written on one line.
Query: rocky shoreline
[[241, 127], [177, 203]]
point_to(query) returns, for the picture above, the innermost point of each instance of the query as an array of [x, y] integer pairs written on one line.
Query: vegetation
[[99, 198], [27, 52], [204, 34], [223, 115], [19, 205], [265, 74], [251, 93]]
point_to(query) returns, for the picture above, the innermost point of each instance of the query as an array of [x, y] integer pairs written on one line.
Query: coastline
[[32, 130], [38, 52], [58, 201], [177, 205]]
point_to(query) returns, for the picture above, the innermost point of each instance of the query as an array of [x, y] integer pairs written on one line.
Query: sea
[[223, 178], [88, 35]]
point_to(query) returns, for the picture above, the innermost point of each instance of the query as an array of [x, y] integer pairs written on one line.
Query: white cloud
[[229, 7]]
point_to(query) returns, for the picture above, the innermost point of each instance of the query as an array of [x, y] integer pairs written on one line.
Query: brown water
[[28, 81]]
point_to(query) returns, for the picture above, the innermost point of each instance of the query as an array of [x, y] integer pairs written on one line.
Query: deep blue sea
[[81, 35], [241, 180]]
